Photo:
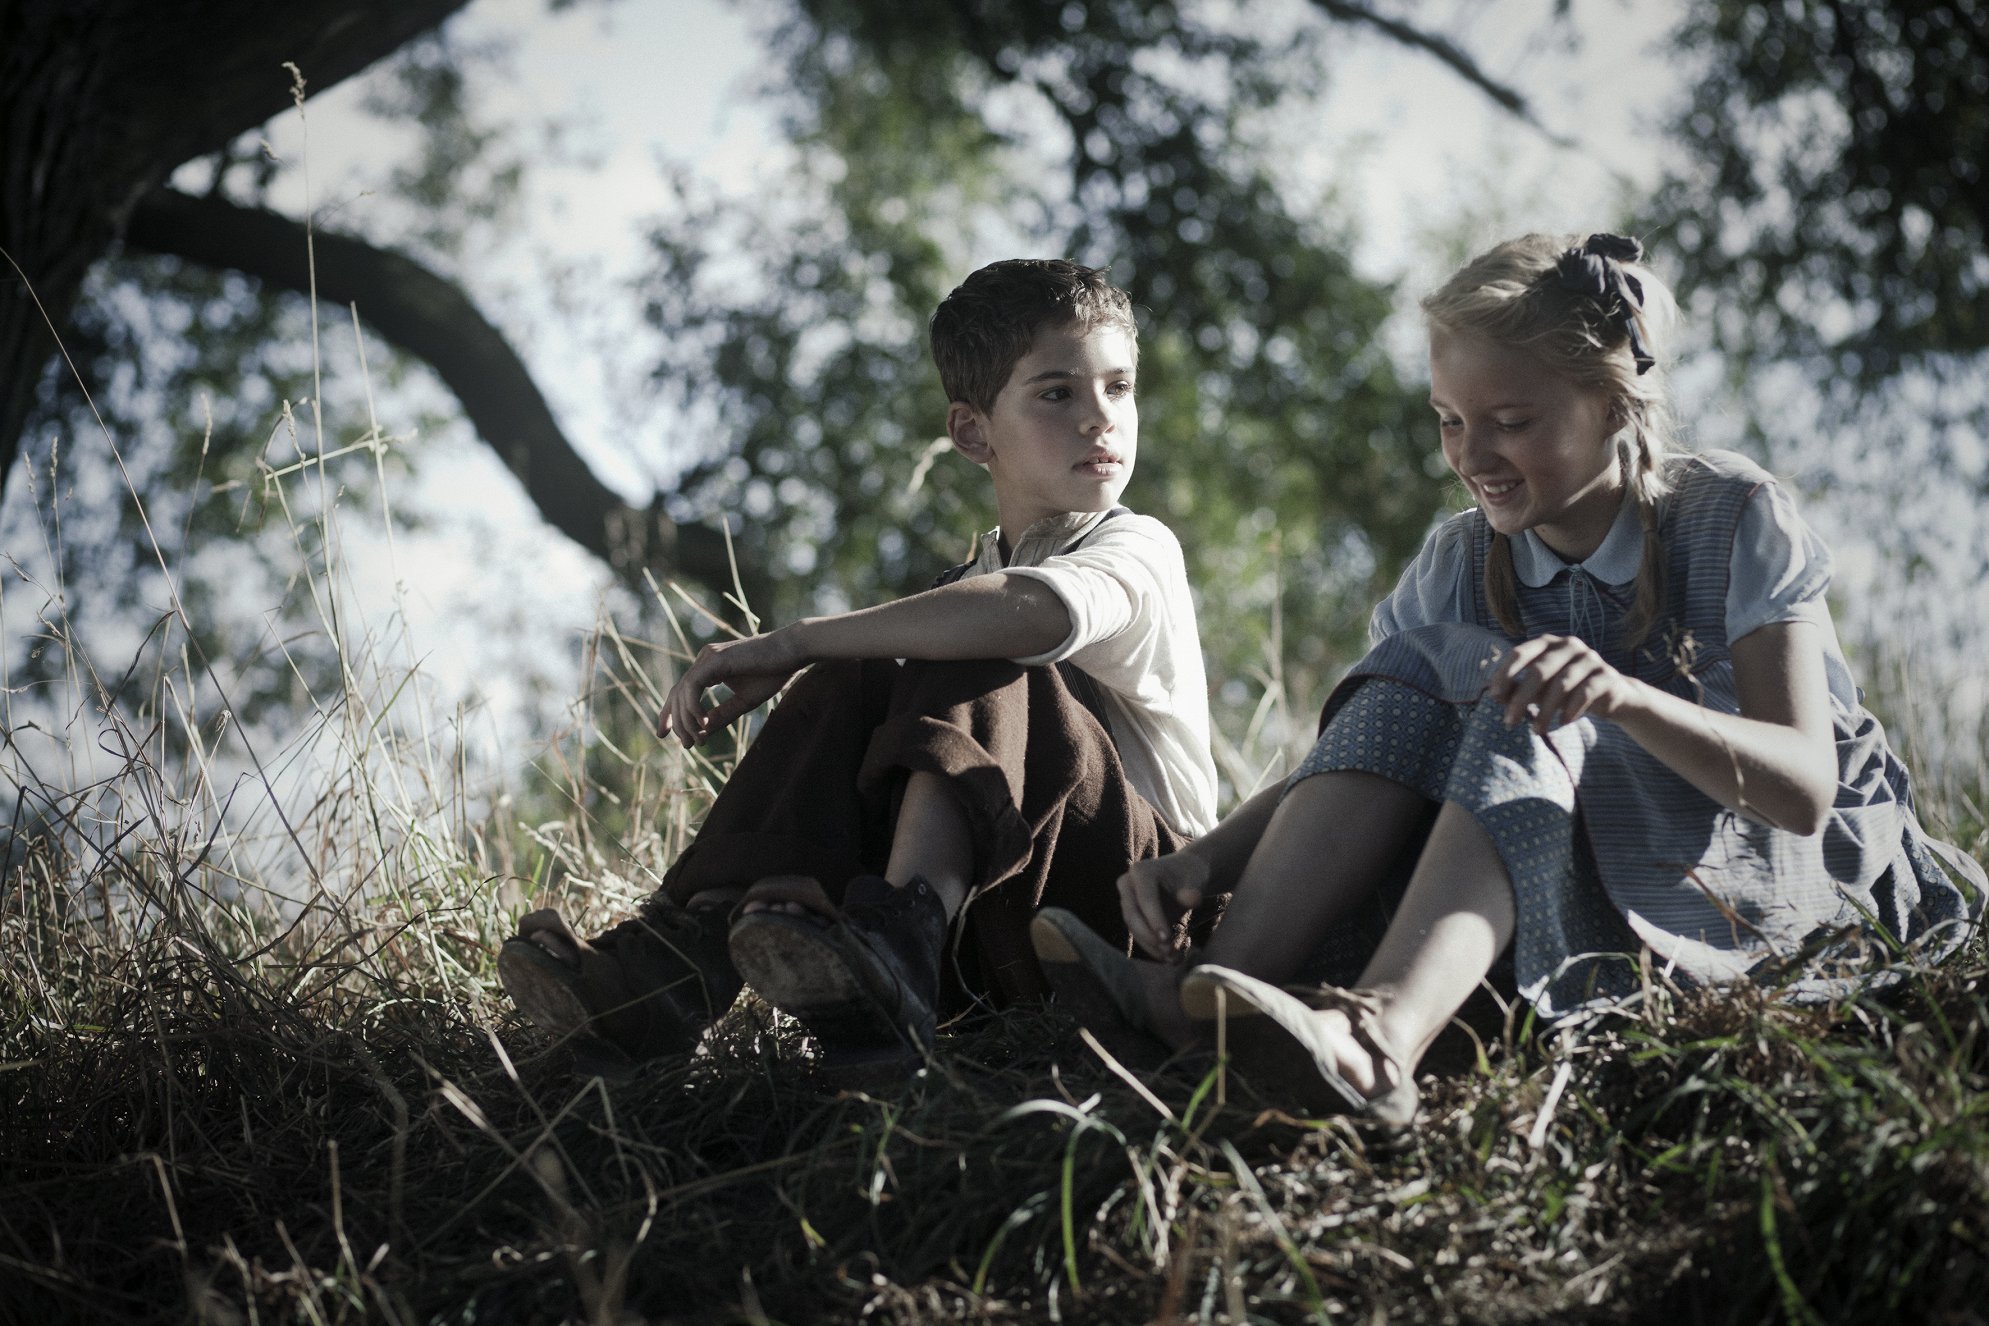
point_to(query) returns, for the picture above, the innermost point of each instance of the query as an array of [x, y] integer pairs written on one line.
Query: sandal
[[863, 978], [1097, 985], [647, 987], [1275, 1040]]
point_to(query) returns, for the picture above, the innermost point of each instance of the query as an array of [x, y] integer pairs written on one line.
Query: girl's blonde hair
[[1590, 311]]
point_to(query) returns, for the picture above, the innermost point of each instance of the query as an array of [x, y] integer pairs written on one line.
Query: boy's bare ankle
[[951, 891], [720, 899]]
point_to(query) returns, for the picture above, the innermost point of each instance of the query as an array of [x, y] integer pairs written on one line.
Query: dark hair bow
[[1596, 270]]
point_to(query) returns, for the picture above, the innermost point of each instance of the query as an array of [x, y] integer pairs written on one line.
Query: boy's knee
[[933, 686], [840, 676]]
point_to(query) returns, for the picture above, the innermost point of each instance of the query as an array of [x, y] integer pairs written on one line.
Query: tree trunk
[[101, 99]]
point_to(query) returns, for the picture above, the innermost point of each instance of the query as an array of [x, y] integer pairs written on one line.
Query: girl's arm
[[1154, 893], [1775, 761]]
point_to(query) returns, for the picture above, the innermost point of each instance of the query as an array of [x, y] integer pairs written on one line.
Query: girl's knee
[[1376, 802]]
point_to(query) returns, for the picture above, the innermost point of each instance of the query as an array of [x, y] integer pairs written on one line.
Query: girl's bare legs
[[1455, 919], [1326, 849], [1327, 846]]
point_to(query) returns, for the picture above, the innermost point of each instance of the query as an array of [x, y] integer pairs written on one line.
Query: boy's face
[[1064, 431]]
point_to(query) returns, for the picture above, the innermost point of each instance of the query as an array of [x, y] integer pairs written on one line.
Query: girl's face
[[1533, 448]]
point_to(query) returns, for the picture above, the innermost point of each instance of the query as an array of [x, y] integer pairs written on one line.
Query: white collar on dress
[[1615, 563]]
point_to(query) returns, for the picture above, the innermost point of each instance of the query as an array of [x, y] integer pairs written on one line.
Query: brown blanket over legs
[[1054, 819]]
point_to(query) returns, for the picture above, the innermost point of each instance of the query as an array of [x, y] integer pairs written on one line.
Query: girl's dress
[[1609, 851]]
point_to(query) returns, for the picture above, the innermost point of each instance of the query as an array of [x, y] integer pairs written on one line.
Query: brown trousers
[[1053, 818]]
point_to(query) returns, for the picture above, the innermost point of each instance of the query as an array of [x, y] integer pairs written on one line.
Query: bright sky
[[1401, 139], [1407, 146]]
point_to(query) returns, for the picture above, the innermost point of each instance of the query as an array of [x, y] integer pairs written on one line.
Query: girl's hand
[[755, 669], [1154, 893], [1556, 679]]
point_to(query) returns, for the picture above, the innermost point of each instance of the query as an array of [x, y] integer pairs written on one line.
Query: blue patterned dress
[[1609, 851]]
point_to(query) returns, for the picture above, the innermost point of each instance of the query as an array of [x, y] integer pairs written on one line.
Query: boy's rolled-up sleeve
[[1123, 588]]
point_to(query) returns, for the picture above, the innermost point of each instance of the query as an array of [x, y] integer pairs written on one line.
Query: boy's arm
[[990, 616]]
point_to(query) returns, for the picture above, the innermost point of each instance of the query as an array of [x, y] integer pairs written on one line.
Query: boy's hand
[[1154, 893], [755, 668]]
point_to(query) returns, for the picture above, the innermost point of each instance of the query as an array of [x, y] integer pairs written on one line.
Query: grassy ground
[[254, 1067], [221, 1107]]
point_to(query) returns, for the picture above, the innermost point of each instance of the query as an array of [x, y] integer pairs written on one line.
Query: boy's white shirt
[[1133, 631]]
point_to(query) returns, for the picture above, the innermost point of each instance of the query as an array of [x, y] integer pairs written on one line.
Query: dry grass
[[254, 1068], [208, 1122]]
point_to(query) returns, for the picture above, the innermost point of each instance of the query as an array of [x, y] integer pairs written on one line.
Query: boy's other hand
[[1153, 894], [754, 668]]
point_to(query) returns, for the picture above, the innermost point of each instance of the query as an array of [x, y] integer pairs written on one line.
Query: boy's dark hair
[[991, 319]]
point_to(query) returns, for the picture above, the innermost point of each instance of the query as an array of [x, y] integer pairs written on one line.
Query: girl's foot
[[1325, 1051], [1132, 1007]]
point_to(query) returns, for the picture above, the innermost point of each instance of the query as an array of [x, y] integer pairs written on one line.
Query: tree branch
[[430, 318], [101, 99], [193, 76], [1444, 49]]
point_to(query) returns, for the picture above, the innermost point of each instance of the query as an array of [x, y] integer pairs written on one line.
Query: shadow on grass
[[292, 1136]]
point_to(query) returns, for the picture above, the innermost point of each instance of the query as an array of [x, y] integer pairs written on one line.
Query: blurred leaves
[[204, 382], [1830, 214], [930, 138], [1835, 191]]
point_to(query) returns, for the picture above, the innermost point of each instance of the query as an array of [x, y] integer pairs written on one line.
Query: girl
[[1604, 712]]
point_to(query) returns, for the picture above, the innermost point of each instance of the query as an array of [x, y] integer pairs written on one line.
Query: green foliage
[[1829, 222], [467, 172], [1836, 193], [180, 437], [932, 137], [191, 471]]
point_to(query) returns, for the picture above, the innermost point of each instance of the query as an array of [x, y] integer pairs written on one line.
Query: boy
[[1047, 727]]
